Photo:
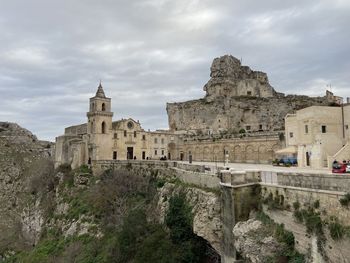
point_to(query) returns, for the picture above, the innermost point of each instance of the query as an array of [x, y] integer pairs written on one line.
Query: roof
[[100, 93], [287, 150]]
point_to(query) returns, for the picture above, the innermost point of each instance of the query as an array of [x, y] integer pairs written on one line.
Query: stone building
[[240, 119], [318, 135], [101, 138]]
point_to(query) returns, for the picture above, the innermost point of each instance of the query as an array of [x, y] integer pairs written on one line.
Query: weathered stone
[[237, 98]]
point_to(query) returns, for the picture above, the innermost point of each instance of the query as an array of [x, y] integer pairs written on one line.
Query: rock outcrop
[[23, 160], [238, 98], [205, 208], [253, 242]]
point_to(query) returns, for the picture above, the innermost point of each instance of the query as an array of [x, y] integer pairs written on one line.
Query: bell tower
[[99, 126]]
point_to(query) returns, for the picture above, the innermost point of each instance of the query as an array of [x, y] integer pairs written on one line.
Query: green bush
[[345, 201], [336, 230], [296, 205]]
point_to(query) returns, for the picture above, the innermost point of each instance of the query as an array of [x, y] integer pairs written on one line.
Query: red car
[[339, 168]]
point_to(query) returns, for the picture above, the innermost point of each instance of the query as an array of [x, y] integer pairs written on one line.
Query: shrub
[[345, 201], [336, 230], [296, 205], [317, 204]]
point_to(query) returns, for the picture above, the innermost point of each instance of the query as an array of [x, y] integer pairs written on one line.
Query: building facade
[[101, 138], [319, 135]]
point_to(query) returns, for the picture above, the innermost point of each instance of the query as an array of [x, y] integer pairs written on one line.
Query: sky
[[53, 53]]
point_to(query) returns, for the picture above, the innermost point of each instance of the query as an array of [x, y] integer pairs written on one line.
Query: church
[[101, 138]]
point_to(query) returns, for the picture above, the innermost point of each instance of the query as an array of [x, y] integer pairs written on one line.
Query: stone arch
[[237, 153], [250, 154], [274, 148], [263, 156], [103, 107], [103, 127], [217, 153], [206, 153], [197, 154]]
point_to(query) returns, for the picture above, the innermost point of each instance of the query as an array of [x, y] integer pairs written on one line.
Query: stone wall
[[244, 149]]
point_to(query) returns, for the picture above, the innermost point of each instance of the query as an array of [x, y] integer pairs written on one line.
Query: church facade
[[101, 138]]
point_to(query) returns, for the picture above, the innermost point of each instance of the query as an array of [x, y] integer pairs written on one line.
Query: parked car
[[340, 168]]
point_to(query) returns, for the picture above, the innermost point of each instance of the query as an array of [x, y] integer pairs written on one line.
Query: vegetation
[[121, 208], [286, 238], [345, 201]]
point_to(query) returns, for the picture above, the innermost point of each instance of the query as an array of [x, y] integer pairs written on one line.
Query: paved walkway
[[264, 167]]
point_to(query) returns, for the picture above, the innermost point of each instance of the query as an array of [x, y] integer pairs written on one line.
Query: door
[[130, 153], [181, 156], [307, 159]]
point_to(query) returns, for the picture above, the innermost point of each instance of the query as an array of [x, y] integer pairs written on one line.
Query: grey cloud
[[150, 52]]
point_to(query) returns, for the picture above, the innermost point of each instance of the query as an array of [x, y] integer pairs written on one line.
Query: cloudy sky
[[149, 52]]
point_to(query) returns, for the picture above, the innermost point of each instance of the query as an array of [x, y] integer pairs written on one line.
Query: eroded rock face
[[206, 211], [253, 243], [229, 78], [237, 98], [23, 160]]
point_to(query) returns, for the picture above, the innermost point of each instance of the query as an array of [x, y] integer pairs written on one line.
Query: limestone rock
[[206, 211], [253, 243], [238, 98]]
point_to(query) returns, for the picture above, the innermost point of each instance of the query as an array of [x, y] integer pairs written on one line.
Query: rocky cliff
[[238, 98], [23, 160]]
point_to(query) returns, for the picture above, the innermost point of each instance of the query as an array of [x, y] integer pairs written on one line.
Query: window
[[115, 135], [103, 127], [134, 134], [247, 127], [155, 152], [155, 140], [347, 127], [260, 127], [324, 128], [306, 129], [162, 152], [124, 133], [143, 137], [291, 135], [93, 107], [103, 107], [114, 155], [249, 93], [162, 140]]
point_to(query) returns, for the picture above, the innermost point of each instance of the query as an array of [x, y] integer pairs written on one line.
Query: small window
[[114, 155], [162, 152], [324, 128], [155, 152], [347, 127], [291, 135], [260, 127], [143, 137], [247, 127], [162, 140], [115, 135], [155, 140], [306, 129], [134, 134], [103, 107], [124, 133], [249, 93], [103, 127]]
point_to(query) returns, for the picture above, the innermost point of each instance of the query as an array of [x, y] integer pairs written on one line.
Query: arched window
[[103, 127], [92, 106], [103, 107]]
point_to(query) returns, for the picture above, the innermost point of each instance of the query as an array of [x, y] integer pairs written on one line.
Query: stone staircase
[[342, 154]]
